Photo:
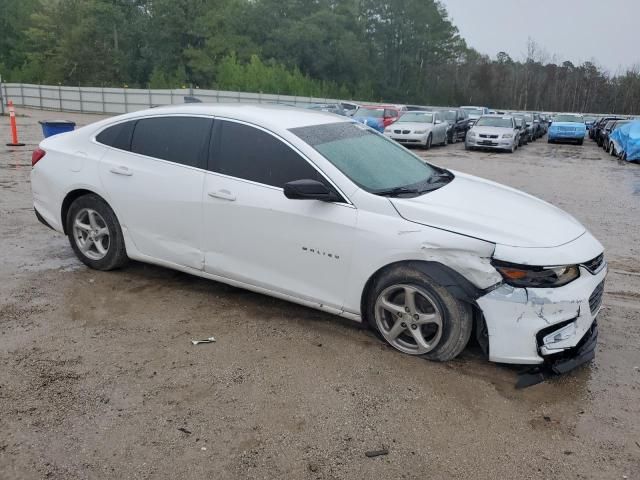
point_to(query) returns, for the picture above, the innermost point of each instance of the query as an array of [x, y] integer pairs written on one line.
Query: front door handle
[[121, 170], [224, 195]]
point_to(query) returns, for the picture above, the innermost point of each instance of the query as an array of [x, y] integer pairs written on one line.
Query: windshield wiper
[[392, 192], [440, 176]]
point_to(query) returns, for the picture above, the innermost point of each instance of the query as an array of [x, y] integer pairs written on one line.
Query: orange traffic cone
[[14, 127]]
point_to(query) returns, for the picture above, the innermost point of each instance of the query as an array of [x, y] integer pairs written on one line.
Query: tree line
[[401, 51]]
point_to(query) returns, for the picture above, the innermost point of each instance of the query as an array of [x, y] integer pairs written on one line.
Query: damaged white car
[[316, 209]]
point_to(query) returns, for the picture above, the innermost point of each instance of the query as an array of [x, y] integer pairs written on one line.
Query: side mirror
[[438, 122], [310, 190]]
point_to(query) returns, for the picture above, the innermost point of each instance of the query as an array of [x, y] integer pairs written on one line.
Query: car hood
[[489, 211], [491, 130], [411, 126]]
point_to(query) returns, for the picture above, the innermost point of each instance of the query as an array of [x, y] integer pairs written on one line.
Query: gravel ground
[[99, 379]]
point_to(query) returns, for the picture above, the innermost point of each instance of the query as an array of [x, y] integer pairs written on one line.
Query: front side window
[[370, 160], [246, 152], [495, 122], [177, 139]]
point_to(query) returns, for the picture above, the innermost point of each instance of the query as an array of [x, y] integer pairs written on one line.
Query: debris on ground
[[377, 453], [208, 340], [184, 430]]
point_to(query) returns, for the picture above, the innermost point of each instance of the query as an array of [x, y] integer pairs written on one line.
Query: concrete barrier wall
[[123, 100]]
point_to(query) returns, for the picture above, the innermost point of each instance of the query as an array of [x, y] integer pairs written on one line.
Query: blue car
[[567, 128]]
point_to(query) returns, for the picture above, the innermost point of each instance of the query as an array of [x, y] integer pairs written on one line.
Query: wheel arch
[[461, 288], [70, 198]]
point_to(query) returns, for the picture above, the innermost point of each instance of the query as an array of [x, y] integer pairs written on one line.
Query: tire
[[445, 341], [581, 141], [612, 150], [550, 141], [427, 145], [88, 216]]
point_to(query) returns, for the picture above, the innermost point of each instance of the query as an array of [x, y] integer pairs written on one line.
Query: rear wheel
[[581, 141], [95, 234], [416, 316]]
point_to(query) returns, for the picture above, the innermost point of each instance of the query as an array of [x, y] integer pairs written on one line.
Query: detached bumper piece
[[563, 362]]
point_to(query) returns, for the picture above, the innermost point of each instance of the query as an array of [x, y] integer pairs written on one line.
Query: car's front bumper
[[409, 138], [497, 143], [531, 325]]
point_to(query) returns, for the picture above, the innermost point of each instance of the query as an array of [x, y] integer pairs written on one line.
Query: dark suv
[[459, 123]]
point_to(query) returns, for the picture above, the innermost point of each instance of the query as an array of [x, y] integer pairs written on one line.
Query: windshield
[[495, 122], [569, 118], [473, 111], [369, 159], [449, 115], [369, 112], [416, 117]]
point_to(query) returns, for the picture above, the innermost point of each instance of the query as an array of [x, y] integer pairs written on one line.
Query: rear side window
[[246, 152], [117, 136], [177, 139]]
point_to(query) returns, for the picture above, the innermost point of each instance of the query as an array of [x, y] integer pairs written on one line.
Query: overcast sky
[[604, 31]]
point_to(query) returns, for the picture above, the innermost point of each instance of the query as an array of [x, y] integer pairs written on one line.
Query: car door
[[255, 235], [154, 183], [440, 128]]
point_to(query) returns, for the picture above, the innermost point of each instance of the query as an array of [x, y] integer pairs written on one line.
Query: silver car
[[495, 132], [420, 128]]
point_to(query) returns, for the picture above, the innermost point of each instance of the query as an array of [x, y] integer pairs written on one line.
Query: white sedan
[[322, 211]]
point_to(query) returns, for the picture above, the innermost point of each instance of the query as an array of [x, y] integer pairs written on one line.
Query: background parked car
[[494, 132], [349, 108], [521, 125], [527, 130], [590, 121], [607, 143], [599, 126], [459, 125], [419, 128], [329, 107], [567, 127], [475, 112]]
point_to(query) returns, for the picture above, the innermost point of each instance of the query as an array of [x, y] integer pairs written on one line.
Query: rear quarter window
[[117, 136]]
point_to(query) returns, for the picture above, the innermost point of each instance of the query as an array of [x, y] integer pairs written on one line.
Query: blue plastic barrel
[[54, 127]]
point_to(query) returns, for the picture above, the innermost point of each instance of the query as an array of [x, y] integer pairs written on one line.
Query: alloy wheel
[[409, 319], [91, 234]]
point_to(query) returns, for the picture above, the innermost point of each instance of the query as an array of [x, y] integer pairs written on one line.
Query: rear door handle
[[121, 170], [224, 195]]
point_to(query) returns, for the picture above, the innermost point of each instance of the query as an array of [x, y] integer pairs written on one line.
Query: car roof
[[506, 117], [268, 115]]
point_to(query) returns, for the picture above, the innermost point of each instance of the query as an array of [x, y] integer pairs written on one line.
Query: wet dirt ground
[[98, 378]]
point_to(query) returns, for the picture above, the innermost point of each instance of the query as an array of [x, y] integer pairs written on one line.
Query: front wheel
[[95, 234], [427, 144], [417, 316]]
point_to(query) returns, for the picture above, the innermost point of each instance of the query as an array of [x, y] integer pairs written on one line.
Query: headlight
[[471, 133], [536, 277], [507, 135], [420, 132], [387, 130]]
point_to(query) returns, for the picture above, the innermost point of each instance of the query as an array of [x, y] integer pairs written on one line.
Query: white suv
[[322, 211]]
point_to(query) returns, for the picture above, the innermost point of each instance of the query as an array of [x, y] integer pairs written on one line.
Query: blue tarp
[[627, 138]]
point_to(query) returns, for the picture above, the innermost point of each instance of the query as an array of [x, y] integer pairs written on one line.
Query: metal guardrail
[[124, 100]]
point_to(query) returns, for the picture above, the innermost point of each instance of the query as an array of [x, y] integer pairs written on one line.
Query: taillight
[[36, 156]]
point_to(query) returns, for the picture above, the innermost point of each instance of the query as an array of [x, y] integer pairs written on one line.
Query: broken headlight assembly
[[526, 276]]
